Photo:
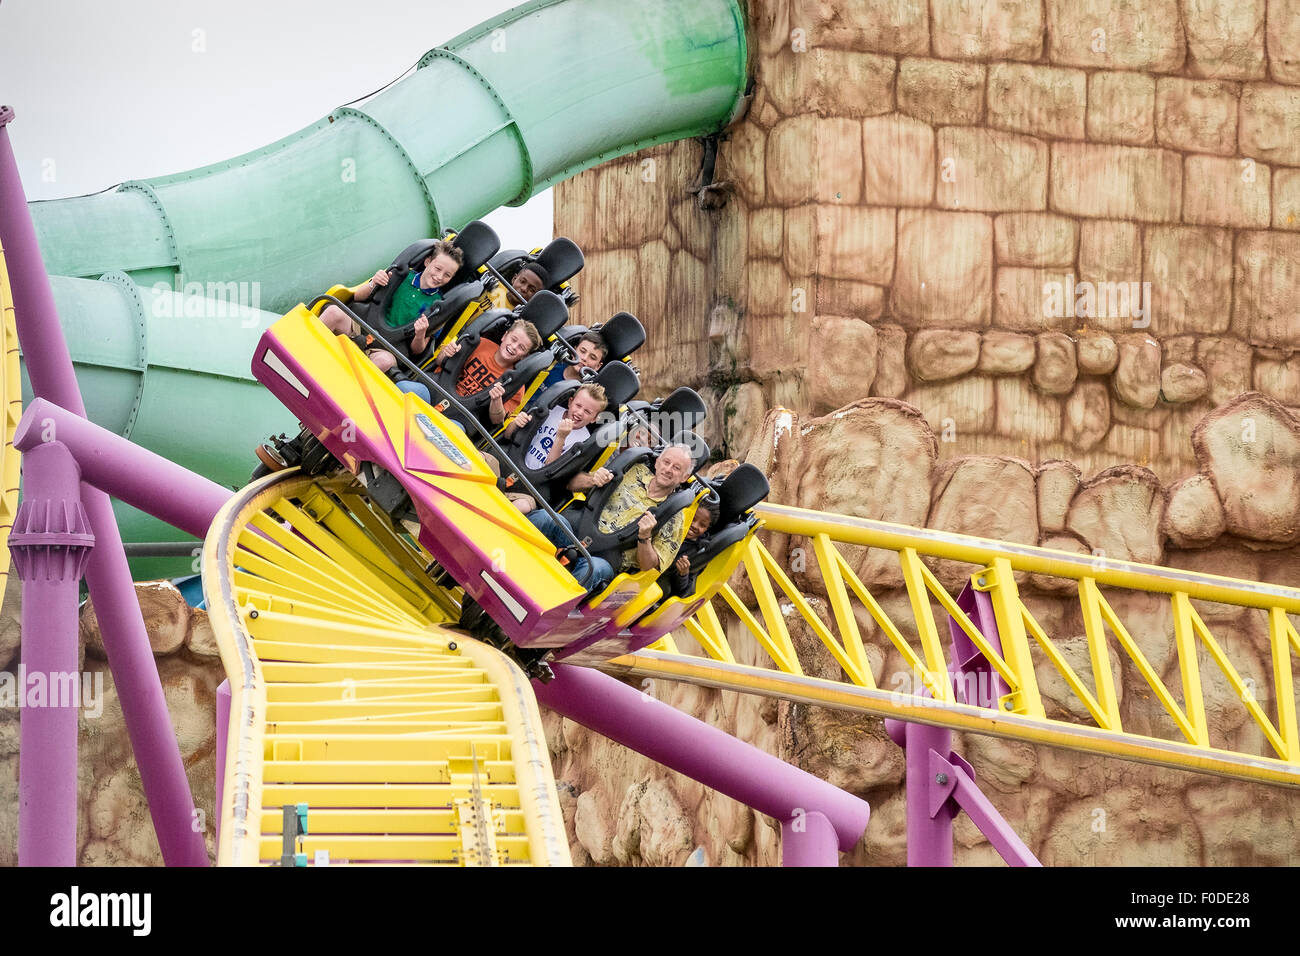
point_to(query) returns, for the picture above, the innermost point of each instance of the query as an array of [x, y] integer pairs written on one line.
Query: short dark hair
[[598, 340], [538, 270], [710, 508]]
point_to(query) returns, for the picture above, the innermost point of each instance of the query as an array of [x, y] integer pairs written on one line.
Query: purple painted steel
[[970, 670], [135, 675], [452, 548], [50, 543], [223, 729], [699, 751], [125, 470], [808, 839], [929, 835], [967, 795]]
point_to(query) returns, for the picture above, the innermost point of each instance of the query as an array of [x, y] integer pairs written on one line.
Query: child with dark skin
[[679, 579], [528, 281]]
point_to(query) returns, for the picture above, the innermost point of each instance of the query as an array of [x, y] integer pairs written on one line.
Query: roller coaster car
[[379, 434], [477, 243], [724, 547], [620, 384], [546, 311], [630, 594], [396, 444]]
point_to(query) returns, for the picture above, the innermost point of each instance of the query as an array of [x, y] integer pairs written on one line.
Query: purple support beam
[[50, 543], [939, 784], [124, 470], [704, 753], [223, 728], [929, 827], [809, 840], [959, 782], [130, 658]]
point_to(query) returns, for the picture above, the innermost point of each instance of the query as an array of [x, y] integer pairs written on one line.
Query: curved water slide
[[164, 285]]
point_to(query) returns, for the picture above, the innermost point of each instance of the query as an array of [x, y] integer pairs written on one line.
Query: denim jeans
[[601, 574], [421, 390], [416, 388]]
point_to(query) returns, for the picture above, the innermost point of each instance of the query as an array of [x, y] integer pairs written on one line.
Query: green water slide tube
[[499, 113]]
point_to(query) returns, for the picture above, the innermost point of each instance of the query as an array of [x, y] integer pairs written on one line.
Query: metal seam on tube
[[236, 162], [132, 294], [487, 26], [526, 192], [173, 247], [406, 158]]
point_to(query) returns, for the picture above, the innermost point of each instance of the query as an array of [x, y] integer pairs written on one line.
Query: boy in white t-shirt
[[563, 428]]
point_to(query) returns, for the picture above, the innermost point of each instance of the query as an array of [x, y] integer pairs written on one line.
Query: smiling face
[[527, 284], [699, 524], [514, 346], [437, 271], [590, 356], [583, 409], [673, 466]]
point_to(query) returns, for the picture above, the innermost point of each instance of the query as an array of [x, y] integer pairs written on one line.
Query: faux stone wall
[[911, 178], [114, 827], [1238, 516]]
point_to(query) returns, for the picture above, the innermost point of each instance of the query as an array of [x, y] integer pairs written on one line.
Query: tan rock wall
[[1071, 809], [114, 827], [1073, 167]]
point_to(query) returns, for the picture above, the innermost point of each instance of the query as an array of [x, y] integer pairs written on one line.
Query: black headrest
[[686, 404], [413, 256], [562, 259], [547, 311], [620, 384], [682, 411], [507, 261], [742, 489], [572, 333], [698, 446], [623, 333], [478, 242]]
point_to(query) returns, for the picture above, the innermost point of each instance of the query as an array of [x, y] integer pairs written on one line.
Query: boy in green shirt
[[409, 301]]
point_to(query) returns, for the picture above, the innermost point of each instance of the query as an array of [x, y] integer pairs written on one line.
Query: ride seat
[[546, 311], [620, 384], [477, 242], [738, 493]]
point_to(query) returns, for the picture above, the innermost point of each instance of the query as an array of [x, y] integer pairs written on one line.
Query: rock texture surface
[[114, 827], [1102, 172]]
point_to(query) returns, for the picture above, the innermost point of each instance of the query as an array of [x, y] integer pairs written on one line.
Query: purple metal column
[[135, 675], [50, 543], [125, 471], [929, 828], [706, 754], [809, 840]]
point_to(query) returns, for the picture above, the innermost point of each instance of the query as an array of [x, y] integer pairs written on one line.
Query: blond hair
[[597, 393], [530, 330]]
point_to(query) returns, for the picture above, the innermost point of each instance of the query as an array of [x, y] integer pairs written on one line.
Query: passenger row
[[586, 461]]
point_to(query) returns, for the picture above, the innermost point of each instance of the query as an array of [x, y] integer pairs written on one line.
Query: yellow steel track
[[1249, 662], [408, 741], [11, 388]]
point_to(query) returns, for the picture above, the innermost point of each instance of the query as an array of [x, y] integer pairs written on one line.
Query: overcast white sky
[[110, 91]]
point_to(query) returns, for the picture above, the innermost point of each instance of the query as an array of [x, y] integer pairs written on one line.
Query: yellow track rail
[[11, 394], [409, 742], [1254, 665]]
